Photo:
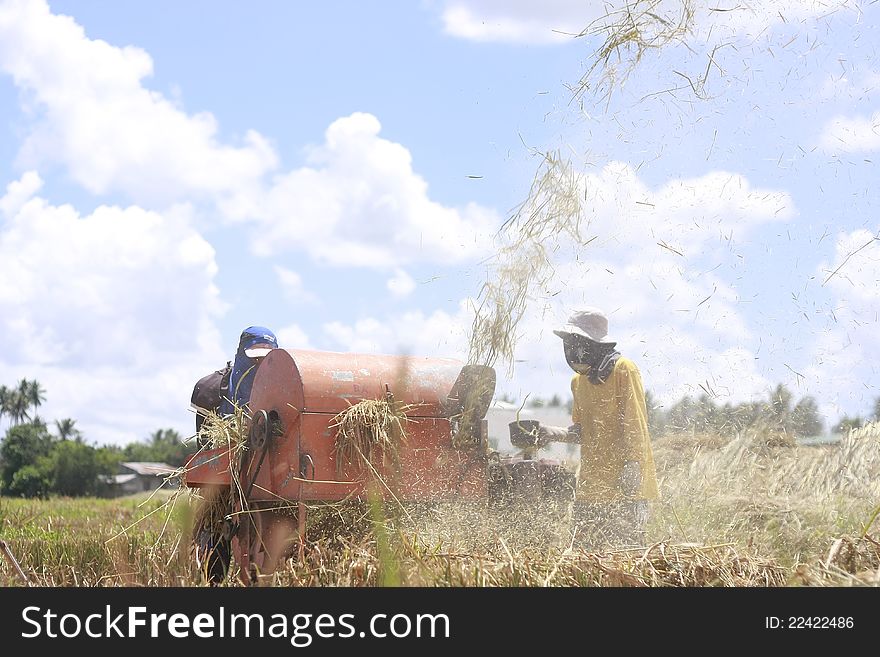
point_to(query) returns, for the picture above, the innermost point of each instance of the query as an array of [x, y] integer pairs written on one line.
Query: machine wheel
[[267, 536]]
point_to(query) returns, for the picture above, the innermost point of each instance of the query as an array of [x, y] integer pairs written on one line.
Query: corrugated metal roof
[[149, 467]]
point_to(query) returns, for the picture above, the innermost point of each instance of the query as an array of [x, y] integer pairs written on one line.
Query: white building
[[139, 477], [501, 414]]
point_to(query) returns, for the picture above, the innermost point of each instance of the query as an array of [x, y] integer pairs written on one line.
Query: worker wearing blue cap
[[253, 345]]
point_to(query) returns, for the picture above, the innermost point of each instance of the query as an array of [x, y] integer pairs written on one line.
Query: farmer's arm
[[569, 434]]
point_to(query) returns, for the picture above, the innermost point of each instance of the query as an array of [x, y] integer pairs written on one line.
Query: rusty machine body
[[290, 458]]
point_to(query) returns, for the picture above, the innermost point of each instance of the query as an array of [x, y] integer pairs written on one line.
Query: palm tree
[[5, 396], [67, 430], [34, 393], [17, 407]]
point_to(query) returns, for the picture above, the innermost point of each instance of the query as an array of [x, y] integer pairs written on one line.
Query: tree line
[[703, 414], [38, 459], [778, 412]]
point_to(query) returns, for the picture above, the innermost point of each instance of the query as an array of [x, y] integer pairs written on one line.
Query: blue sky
[[171, 173]]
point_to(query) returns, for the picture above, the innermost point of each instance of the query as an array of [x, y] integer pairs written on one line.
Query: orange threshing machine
[[290, 457]]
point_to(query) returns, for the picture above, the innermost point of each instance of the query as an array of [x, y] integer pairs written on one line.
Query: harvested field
[[734, 513]]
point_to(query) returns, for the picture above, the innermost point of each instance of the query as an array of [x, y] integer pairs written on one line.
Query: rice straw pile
[[368, 427]]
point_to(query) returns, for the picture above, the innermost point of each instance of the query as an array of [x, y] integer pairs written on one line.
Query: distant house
[[138, 477]]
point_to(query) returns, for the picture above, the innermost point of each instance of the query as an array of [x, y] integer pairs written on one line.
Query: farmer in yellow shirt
[[617, 477]]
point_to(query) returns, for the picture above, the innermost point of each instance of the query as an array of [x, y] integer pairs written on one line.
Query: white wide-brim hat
[[589, 323]]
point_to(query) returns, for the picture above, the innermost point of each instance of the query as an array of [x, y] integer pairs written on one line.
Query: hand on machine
[[531, 434]]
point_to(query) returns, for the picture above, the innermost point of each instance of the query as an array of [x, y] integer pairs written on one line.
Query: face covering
[[595, 360], [244, 368]]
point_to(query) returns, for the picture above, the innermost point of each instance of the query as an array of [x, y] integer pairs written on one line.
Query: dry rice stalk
[[851, 561], [210, 505], [637, 28], [523, 265], [7, 552], [219, 430], [554, 208], [213, 504], [369, 426], [229, 431]]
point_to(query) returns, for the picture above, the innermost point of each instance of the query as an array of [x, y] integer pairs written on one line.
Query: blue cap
[[257, 341]]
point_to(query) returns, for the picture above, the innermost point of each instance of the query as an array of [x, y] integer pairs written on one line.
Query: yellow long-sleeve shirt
[[614, 430]]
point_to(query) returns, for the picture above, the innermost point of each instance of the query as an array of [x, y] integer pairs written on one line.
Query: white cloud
[[843, 356], [651, 268], [840, 364], [292, 285], [401, 284], [754, 18], [293, 337], [19, 192], [525, 21], [415, 333], [90, 304], [857, 84], [518, 22], [855, 272], [856, 134], [360, 203], [92, 114], [681, 323], [687, 215]]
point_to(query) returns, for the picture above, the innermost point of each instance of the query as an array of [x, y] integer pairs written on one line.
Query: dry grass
[[523, 264], [369, 429], [734, 512], [659, 565], [791, 503]]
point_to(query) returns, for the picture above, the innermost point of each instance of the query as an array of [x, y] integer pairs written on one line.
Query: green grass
[[94, 542]]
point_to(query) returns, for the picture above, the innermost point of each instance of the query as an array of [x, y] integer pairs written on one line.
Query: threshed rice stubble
[[368, 433], [205, 507]]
